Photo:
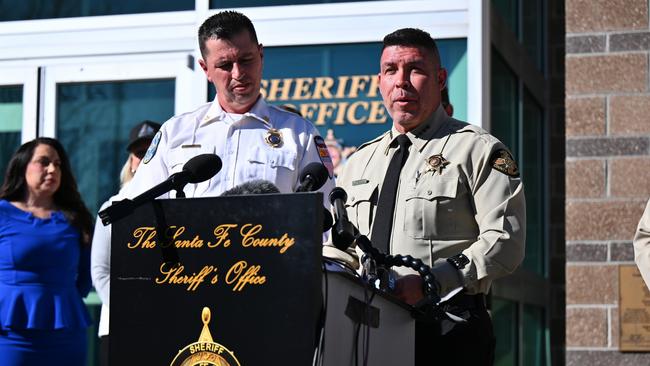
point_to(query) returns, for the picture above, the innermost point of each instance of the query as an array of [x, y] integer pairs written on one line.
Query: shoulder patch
[[151, 151], [324, 155], [503, 161]]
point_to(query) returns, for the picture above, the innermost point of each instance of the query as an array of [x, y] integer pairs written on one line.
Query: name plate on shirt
[[253, 261], [634, 310]]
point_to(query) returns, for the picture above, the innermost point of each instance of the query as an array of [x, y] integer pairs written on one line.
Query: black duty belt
[[464, 301]]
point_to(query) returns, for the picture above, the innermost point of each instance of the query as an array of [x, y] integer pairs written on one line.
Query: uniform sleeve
[[642, 245], [100, 260], [84, 283], [310, 155], [501, 218], [153, 168]]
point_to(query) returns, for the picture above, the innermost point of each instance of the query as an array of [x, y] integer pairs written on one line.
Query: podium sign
[[247, 290]]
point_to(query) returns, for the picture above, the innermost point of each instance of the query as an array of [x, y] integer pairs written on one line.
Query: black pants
[[470, 344], [103, 351]]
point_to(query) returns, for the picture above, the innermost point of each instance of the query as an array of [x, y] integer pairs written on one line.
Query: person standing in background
[[45, 236], [139, 140]]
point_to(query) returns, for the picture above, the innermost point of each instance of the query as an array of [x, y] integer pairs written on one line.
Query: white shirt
[[241, 145], [100, 267]]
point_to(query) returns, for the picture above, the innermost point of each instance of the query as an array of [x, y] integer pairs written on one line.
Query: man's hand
[[409, 289]]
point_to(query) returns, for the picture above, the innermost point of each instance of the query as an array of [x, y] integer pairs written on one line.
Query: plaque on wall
[[634, 310]]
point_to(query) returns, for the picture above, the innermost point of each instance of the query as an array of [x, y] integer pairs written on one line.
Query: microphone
[[312, 177], [343, 232], [256, 186], [261, 186], [327, 220], [198, 169]]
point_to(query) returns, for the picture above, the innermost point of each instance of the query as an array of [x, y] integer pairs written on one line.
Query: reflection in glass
[[532, 12], [39, 9], [504, 318], [534, 349], [93, 122], [507, 10], [505, 104], [11, 121], [532, 167]]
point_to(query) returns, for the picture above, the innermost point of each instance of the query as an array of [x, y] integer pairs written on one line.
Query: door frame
[[27, 77], [118, 69]]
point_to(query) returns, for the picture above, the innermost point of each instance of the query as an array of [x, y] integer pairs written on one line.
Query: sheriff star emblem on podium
[[205, 351]]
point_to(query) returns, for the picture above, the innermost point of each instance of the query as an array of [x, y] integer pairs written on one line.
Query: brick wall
[[607, 167]]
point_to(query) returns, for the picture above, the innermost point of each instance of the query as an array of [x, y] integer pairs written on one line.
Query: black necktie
[[383, 223]]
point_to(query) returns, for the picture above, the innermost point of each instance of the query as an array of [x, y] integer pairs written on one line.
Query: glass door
[[18, 87], [91, 109]]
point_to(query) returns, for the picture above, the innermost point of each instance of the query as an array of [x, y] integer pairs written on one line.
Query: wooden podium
[[245, 288]]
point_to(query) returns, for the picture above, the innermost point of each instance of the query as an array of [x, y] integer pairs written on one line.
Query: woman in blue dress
[[45, 235]]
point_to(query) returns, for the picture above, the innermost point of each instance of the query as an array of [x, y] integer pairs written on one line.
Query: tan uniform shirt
[[470, 207], [642, 245]]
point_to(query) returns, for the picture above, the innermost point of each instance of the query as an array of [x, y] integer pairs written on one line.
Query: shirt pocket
[[430, 208], [361, 204], [179, 156], [270, 164]]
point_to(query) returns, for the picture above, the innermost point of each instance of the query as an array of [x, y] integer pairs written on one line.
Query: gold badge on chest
[[273, 137], [436, 163]]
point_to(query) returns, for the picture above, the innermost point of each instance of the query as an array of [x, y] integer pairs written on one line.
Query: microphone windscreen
[[338, 193], [327, 220], [257, 186], [202, 167], [318, 173]]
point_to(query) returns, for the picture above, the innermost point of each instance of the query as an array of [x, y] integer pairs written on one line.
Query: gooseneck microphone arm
[[198, 169]]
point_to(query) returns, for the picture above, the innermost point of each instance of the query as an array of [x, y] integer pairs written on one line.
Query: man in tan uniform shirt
[[642, 245], [459, 196]]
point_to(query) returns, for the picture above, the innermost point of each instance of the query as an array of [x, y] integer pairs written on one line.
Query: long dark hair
[[66, 198]]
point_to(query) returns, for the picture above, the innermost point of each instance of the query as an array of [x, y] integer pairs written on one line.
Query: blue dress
[[44, 273]]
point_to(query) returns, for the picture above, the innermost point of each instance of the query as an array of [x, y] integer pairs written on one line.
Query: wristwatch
[[459, 261]]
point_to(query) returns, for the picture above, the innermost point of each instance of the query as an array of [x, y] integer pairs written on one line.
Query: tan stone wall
[[607, 167]]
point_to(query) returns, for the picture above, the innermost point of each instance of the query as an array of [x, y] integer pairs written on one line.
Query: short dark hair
[[225, 25], [66, 198], [444, 97], [413, 37]]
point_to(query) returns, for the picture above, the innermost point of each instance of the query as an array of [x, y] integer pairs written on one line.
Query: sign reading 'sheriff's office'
[[249, 275]]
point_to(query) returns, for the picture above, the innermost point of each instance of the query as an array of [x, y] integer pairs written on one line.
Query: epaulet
[[295, 115], [373, 141], [460, 126], [463, 127], [179, 116], [278, 109]]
